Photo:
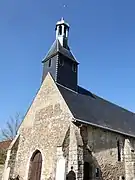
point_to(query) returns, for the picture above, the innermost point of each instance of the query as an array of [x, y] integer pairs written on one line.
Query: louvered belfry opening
[[35, 166]]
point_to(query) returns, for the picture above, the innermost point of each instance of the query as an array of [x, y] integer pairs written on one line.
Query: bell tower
[[62, 30], [59, 60]]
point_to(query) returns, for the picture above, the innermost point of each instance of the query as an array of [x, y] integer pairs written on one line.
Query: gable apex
[[49, 78], [48, 94]]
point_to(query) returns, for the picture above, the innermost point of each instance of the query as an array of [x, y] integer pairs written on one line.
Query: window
[[132, 150], [97, 172], [118, 148], [61, 62], [50, 62], [65, 30], [74, 67], [60, 30]]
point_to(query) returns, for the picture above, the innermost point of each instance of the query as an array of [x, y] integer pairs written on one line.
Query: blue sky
[[102, 37]]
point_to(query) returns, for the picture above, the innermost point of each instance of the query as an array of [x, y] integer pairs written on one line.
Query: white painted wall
[[60, 170]]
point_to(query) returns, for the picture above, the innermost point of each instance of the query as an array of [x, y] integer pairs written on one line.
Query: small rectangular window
[[118, 149], [74, 68], [97, 172], [50, 62]]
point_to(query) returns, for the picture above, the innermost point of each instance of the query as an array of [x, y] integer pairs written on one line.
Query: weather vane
[[64, 9]]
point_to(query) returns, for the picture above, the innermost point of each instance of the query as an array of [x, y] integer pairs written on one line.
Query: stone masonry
[[44, 128], [48, 127]]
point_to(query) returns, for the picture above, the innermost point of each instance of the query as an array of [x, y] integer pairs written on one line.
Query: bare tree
[[12, 126]]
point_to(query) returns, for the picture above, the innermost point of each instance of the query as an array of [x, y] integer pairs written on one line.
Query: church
[[68, 132]]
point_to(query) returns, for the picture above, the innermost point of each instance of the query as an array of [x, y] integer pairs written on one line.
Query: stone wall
[[48, 125], [105, 151], [129, 157], [101, 151], [44, 128], [79, 144]]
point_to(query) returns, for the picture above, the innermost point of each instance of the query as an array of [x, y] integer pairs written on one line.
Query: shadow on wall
[[12, 159], [91, 168], [101, 140], [97, 140]]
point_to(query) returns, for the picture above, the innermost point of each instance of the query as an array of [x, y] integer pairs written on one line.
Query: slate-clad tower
[[59, 60]]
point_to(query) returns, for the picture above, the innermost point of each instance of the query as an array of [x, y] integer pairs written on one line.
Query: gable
[[47, 95]]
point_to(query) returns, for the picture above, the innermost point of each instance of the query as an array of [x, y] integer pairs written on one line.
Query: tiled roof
[[5, 144], [91, 109]]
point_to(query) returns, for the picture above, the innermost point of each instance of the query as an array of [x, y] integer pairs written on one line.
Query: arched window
[[35, 166]]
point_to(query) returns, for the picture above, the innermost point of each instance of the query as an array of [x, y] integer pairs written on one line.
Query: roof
[[5, 144], [55, 48], [62, 21], [91, 109]]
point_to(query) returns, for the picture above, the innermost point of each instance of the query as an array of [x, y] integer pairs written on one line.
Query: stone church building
[[68, 127]]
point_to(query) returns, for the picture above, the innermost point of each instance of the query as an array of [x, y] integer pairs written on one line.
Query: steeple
[[59, 60], [62, 30]]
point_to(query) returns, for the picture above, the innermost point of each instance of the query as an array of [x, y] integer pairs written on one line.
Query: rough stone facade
[[100, 150], [48, 127], [44, 128]]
